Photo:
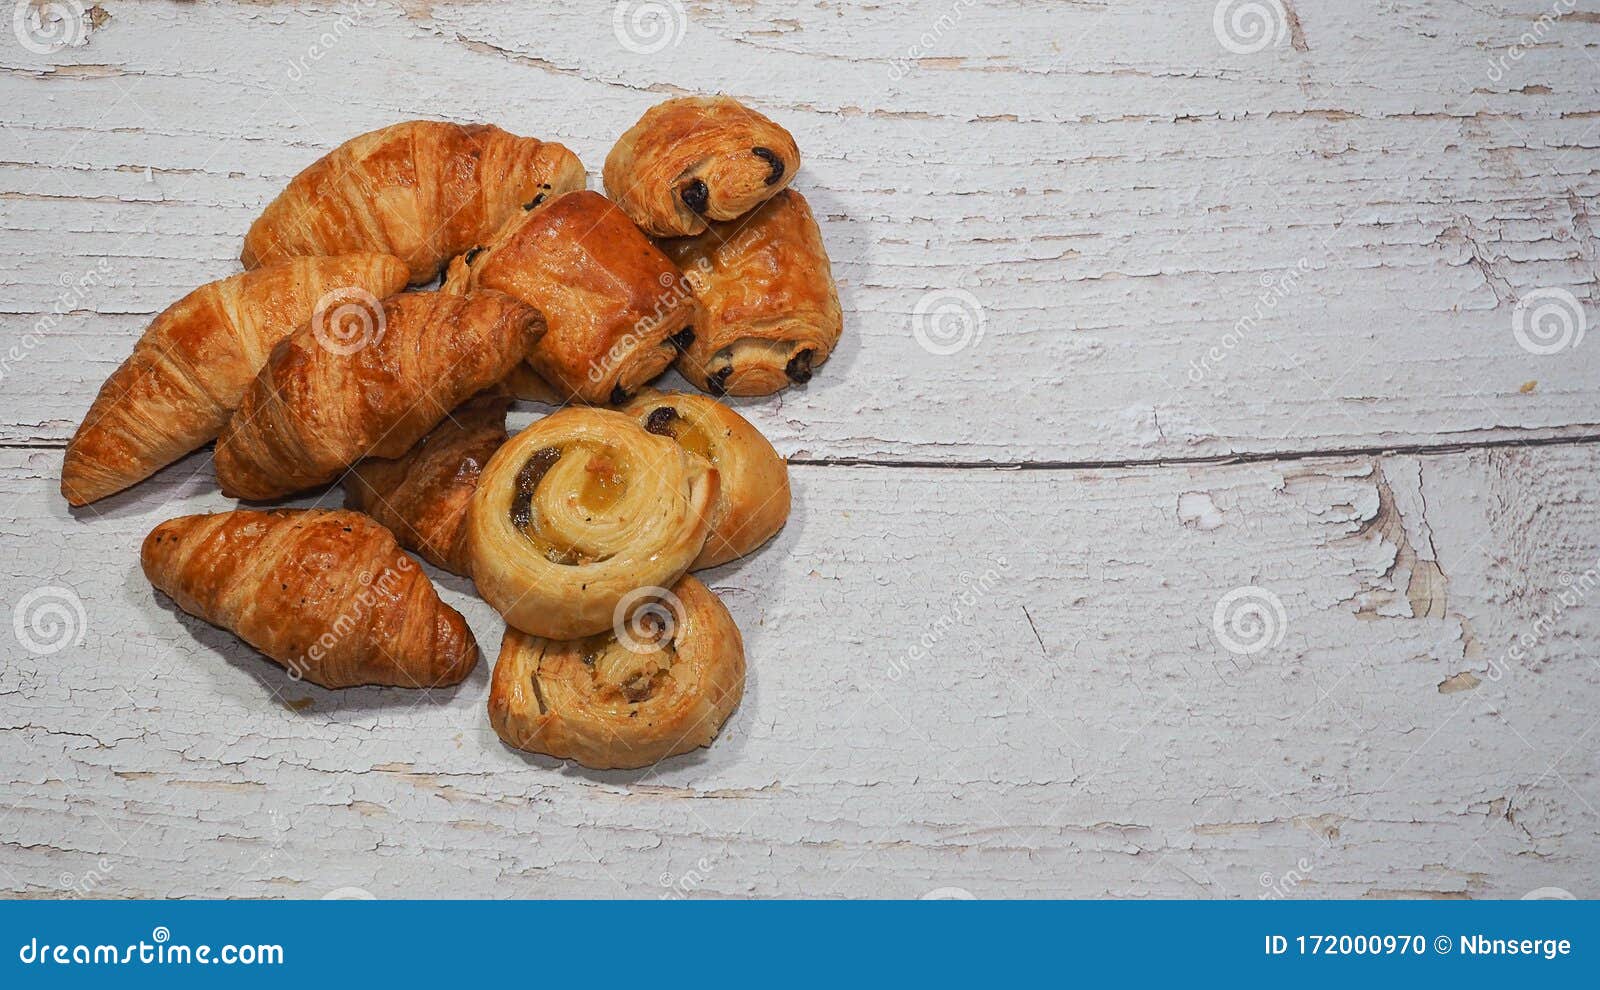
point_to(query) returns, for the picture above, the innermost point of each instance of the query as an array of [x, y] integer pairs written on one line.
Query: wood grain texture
[[1008, 681], [1109, 182]]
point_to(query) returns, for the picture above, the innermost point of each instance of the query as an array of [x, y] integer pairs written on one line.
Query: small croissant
[[327, 594], [422, 495], [370, 386], [425, 190], [694, 159], [190, 369]]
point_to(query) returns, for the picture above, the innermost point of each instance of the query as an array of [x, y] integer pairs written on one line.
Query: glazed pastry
[[422, 495], [769, 312], [327, 594], [425, 190], [662, 685], [753, 481], [695, 159], [326, 400], [577, 511], [192, 366], [617, 308]]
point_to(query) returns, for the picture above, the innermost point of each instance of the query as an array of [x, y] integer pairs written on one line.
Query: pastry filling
[[717, 381], [799, 368], [681, 340], [666, 421], [696, 196], [604, 482], [774, 164], [619, 675]]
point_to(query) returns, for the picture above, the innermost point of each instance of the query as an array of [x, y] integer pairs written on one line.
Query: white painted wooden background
[[1234, 319]]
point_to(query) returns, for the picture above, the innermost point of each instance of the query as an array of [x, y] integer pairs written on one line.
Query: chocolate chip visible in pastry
[[769, 311], [697, 159], [752, 501]]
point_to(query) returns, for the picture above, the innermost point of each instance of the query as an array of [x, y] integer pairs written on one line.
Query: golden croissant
[[662, 683], [752, 480], [694, 159], [369, 386], [617, 308], [769, 311], [191, 368], [327, 594], [425, 190], [580, 509], [422, 495]]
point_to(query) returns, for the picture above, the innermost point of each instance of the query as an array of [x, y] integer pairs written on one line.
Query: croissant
[[769, 312], [617, 308], [578, 510], [326, 400], [752, 480], [327, 594], [694, 159], [425, 190], [662, 684], [422, 495], [190, 369]]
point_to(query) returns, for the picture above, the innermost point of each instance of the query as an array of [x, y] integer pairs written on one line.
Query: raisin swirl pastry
[[769, 311], [662, 684], [694, 159], [753, 481], [617, 308], [422, 495], [580, 509]]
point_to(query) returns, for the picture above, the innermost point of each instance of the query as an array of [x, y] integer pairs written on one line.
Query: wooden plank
[[1178, 250], [1011, 682]]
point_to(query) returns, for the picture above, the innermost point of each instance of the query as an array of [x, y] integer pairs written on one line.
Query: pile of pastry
[[318, 365]]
